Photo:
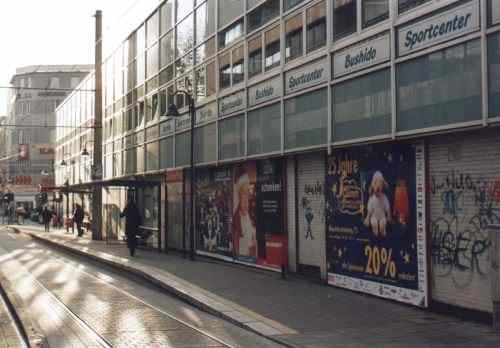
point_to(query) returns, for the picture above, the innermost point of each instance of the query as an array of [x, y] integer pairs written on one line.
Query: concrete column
[[494, 236]]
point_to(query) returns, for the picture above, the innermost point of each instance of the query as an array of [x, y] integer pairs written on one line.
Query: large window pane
[[141, 39], [152, 61], [183, 149], [225, 71], [141, 69], [229, 10], [255, 56], [167, 153], [205, 21], [185, 36], [264, 130], [140, 159], [232, 137], [199, 79], [238, 63], [374, 11], [183, 7], [205, 51], [263, 14], [494, 73], [306, 120], [405, 5], [205, 146], [131, 161], [441, 88], [291, 3], [152, 156], [231, 34], [166, 17], [153, 28], [272, 42], [344, 17], [293, 38], [362, 107], [211, 78], [167, 49], [316, 26]]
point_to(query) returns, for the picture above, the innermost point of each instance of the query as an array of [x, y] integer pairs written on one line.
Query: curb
[[181, 289], [31, 334]]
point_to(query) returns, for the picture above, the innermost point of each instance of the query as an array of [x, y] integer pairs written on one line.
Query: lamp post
[[66, 187], [173, 112]]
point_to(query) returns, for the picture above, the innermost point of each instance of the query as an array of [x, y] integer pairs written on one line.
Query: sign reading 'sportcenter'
[[442, 27], [361, 56], [306, 76]]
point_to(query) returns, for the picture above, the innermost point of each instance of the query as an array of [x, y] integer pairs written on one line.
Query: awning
[[86, 188]]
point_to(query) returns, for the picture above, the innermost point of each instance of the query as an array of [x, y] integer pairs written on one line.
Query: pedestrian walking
[[46, 218], [132, 222], [20, 214], [78, 217]]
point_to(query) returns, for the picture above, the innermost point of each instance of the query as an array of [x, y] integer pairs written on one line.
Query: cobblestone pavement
[[9, 336], [80, 304]]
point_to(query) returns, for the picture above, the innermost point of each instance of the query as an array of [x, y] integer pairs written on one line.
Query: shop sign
[[167, 127], [436, 29], [264, 91], [307, 76], [183, 122], [495, 12], [232, 103], [375, 219], [362, 56], [206, 113]]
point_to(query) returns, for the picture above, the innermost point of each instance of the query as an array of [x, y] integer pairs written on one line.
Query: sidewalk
[[9, 337], [293, 311]]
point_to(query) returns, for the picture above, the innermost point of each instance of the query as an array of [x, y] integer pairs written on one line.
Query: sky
[[34, 32]]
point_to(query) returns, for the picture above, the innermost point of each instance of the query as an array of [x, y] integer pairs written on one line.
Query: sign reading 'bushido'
[[306, 76], [206, 113], [362, 56], [264, 91], [233, 103], [442, 27]]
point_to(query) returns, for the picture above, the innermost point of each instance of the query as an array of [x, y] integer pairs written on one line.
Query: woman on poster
[[243, 223]]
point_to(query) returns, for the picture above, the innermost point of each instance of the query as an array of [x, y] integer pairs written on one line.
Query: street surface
[[81, 304]]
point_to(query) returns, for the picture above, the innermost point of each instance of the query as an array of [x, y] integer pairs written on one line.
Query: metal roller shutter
[[292, 234], [464, 195]]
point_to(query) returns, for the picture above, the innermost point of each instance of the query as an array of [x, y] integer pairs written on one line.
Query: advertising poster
[[213, 211], [269, 208], [375, 239], [244, 217]]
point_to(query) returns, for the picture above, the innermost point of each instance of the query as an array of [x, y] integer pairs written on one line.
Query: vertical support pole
[[97, 157], [193, 178]]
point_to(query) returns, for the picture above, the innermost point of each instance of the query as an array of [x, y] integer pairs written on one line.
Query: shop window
[[205, 147], [149, 201], [182, 149], [288, 4], [238, 56], [254, 56], [440, 88], [344, 18], [153, 28], [229, 10], [205, 21], [167, 49], [167, 153], [231, 34], [306, 120], [272, 42], [293, 38], [494, 72], [152, 61], [166, 17], [316, 26], [264, 130], [405, 5], [232, 137], [225, 71], [362, 107], [152, 156], [211, 78], [263, 14]]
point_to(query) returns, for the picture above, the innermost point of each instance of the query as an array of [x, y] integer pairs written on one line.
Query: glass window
[[229, 10], [306, 120], [141, 39], [167, 74], [211, 78], [167, 49], [185, 36], [199, 78], [344, 18], [362, 107], [263, 14], [316, 26], [140, 159], [163, 102], [288, 4], [374, 11], [440, 88], [132, 47], [225, 71], [183, 149], [166, 17], [153, 28], [130, 161], [254, 56], [205, 21], [238, 63], [205, 50], [405, 5], [230, 34], [152, 156], [152, 61], [167, 153], [494, 73], [264, 130], [232, 137], [140, 114], [141, 69], [293, 38], [272, 42], [183, 7], [184, 64], [205, 146]]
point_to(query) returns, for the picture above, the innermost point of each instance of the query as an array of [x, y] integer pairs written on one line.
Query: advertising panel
[[375, 221]]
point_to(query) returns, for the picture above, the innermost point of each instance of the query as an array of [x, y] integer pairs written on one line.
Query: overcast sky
[[36, 32]]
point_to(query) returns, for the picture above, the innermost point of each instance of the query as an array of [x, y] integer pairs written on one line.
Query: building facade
[[30, 126], [351, 140]]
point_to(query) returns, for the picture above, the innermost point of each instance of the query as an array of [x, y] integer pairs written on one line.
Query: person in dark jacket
[[132, 222], [46, 217], [78, 217]]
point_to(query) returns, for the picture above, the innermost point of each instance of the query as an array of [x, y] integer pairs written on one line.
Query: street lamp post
[[173, 112]]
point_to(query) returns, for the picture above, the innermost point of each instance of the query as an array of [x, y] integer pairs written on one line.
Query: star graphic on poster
[[407, 258]]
